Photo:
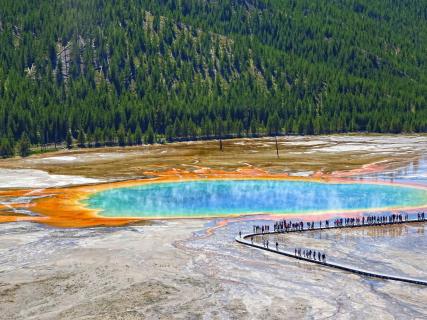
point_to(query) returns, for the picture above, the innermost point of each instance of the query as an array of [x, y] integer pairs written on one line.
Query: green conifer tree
[[121, 136], [6, 148], [24, 145], [81, 139], [138, 135], [149, 135], [69, 140]]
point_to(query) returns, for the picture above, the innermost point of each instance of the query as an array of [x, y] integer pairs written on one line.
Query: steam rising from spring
[[226, 197]]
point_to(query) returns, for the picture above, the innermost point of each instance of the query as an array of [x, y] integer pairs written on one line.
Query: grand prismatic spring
[[109, 225], [215, 198]]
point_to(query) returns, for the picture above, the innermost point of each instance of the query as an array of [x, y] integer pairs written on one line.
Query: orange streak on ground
[[375, 167], [63, 207]]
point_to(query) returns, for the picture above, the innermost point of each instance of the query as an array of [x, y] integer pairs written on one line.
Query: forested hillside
[[120, 71]]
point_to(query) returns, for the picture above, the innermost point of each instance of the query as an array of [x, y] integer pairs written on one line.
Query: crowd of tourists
[[283, 225], [261, 229], [305, 253], [371, 220], [310, 254], [286, 226]]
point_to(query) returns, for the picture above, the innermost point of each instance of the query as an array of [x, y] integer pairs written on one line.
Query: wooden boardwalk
[[331, 263]]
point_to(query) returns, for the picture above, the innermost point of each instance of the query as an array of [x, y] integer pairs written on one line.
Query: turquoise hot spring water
[[208, 198]]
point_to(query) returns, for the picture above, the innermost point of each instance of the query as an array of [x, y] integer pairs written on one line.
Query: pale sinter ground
[[162, 272]]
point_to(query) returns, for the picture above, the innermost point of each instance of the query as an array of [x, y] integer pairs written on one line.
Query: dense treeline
[[133, 71]]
